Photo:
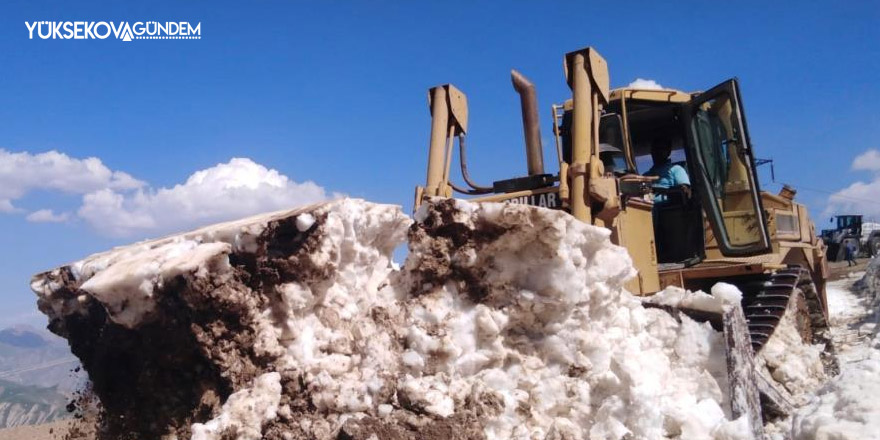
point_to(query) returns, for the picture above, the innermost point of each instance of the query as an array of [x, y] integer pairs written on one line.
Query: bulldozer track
[[767, 299]]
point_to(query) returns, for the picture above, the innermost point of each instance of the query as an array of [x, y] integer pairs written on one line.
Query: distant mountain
[[30, 405], [33, 357], [22, 337]]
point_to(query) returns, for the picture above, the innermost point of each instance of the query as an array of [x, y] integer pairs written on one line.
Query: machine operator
[[670, 175]]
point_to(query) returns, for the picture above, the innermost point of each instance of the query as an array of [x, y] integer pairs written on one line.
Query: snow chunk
[[728, 293], [304, 222], [792, 362], [722, 296], [244, 412], [127, 287]]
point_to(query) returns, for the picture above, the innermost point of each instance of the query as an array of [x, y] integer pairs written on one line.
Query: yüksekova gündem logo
[[123, 30]]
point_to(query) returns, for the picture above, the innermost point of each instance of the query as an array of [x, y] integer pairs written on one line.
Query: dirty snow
[[124, 279], [244, 412], [847, 407], [558, 334], [795, 365], [526, 326], [843, 304]]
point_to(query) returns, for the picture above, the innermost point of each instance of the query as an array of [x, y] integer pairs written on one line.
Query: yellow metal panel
[[671, 278], [515, 195], [805, 223], [634, 230], [665, 95], [757, 259], [774, 201], [742, 227]]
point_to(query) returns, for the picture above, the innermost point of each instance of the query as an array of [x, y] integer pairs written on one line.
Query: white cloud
[[868, 161], [860, 197], [21, 173], [6, 206], [226, 191], [117, 204], [645, 84], [47, 216]]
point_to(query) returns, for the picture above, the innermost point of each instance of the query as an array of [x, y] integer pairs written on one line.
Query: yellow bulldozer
[[719, 227]]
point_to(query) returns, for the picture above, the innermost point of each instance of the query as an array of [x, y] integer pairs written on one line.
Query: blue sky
[[335, 93]]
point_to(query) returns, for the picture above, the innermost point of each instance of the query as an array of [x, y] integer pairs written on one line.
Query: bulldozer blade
[[744, 393], [745, 399]]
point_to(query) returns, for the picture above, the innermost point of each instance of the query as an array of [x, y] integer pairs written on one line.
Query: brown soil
[[839, 269], [177, 369], [58, 430], [448, 237]]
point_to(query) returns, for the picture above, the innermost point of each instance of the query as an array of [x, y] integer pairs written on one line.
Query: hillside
[[30, 405], [32, 357], [37, 374]]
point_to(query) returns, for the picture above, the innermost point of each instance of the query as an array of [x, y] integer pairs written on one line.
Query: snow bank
[[868, 228], [505, 321], [847, 407], [531, 306], [869, 286], [173, 331], [791, 362]]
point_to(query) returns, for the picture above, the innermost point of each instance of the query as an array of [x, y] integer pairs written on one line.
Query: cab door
[[724, 167]]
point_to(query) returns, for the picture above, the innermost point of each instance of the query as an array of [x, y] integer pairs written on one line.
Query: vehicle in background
[[851, 229]]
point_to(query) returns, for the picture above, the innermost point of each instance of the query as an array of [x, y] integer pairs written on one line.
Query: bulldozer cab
[[850, 223], [709, 139]]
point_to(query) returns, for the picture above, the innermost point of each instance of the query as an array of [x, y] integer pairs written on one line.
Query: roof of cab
[[661, 95]]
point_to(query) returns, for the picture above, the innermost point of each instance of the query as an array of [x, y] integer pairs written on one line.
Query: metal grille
[[787, 224]]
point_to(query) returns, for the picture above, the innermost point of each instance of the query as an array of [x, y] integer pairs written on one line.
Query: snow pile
[[506, 321], [125, 280], [869, 286], [185, 329], [847, 407], [867, 229], [794, 364], [525, 308], [245, 411]]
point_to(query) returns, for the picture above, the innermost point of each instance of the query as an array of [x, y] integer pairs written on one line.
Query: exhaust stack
[[531, 126]]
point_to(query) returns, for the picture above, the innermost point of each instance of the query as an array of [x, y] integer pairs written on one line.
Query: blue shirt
[[671, 175]]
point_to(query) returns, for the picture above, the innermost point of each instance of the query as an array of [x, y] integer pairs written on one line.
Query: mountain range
[[37, 374]]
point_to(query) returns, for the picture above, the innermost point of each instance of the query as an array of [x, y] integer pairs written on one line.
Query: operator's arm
[[681, 180]]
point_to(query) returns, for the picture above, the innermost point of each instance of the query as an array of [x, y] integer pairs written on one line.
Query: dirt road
[[49, 431], [839, 269]]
